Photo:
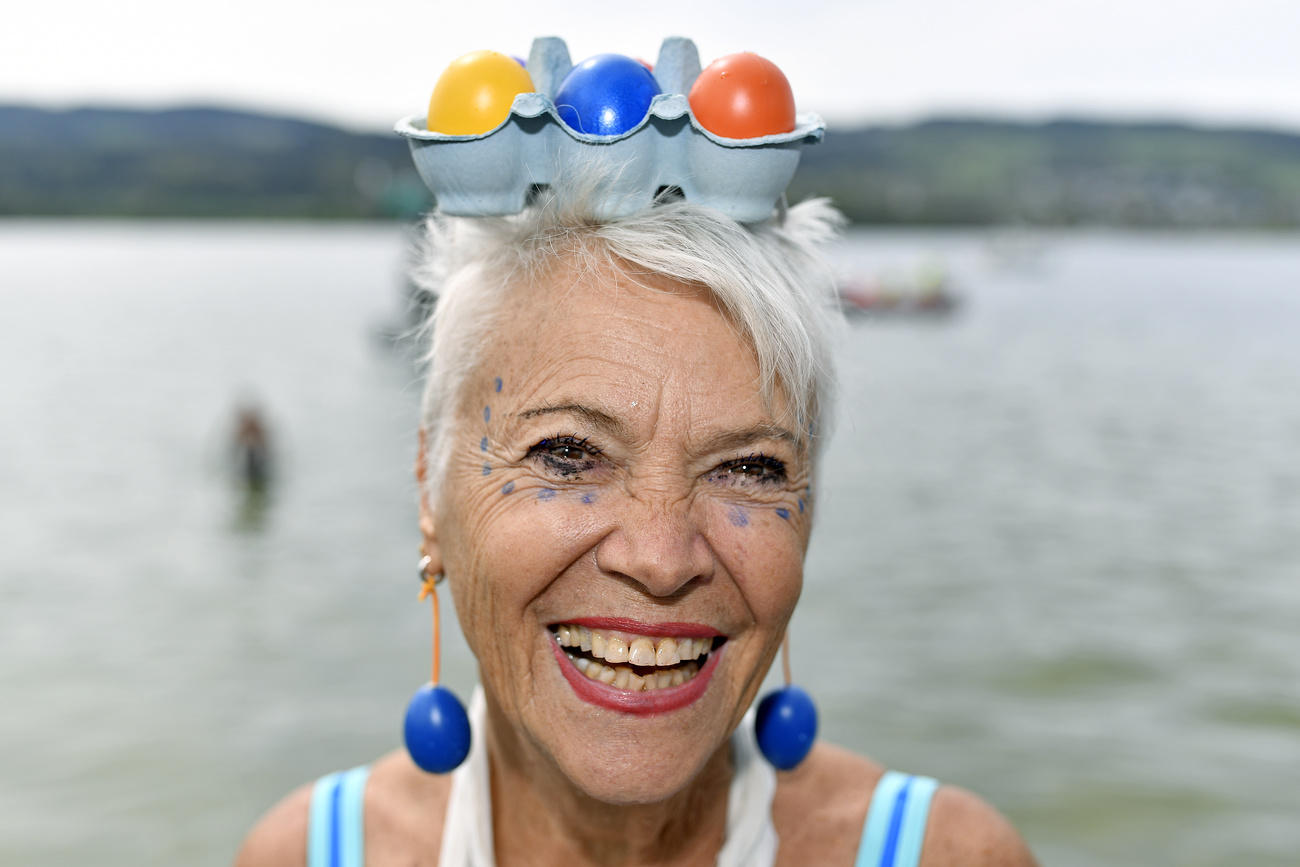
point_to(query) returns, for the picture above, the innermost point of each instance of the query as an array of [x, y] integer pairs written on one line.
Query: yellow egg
[[474, 94]]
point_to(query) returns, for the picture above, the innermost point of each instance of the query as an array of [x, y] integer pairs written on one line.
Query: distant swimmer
[[252, 449]]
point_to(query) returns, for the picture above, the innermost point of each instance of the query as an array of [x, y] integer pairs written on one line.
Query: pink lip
[[650, 703], [623, 624]]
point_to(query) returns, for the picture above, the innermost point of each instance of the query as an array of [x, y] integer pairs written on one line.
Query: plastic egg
[[785, 726], [474, 94], [436, 729], [607, 94], [743, 96]]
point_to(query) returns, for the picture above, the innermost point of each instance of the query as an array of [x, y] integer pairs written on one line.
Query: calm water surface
[[1056, 559]]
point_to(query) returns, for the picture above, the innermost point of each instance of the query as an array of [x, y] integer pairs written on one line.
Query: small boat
[[928, 295]]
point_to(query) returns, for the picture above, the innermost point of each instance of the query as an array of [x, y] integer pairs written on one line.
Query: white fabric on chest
[[751, 838]]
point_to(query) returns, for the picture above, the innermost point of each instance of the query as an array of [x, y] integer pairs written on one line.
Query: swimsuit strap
[[895, 827], [891, 836], [335, 829]]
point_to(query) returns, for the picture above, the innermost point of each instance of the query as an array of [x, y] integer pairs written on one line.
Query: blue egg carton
[[496, 172]]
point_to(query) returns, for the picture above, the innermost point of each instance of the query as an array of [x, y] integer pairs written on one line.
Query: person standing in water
[[252, 449]]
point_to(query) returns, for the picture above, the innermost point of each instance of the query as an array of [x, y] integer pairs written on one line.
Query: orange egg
[[743, 96], [474, 94]]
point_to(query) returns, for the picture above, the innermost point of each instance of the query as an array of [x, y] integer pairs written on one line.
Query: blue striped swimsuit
[[891, 836]]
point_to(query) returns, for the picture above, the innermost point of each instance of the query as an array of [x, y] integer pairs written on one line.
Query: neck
[[540, 817]]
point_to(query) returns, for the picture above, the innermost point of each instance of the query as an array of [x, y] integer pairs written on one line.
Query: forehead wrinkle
[[571, 347], [748, 421]]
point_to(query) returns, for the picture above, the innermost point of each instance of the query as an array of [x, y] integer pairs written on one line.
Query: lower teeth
[[623, 677]]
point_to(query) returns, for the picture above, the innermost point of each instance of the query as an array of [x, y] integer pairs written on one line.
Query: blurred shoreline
[[222, 163], [992, 233]]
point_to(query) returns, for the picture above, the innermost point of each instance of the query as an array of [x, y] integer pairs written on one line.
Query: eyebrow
[[723, 441], [592, 416], [728, 440]]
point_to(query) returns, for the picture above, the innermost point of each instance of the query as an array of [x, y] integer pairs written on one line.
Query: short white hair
[[768, 278]]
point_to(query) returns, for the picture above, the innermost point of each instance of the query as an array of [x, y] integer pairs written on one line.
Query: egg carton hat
[[495, 173]]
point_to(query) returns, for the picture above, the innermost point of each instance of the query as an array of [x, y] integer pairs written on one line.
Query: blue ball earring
[[785, 725], [436, 730]]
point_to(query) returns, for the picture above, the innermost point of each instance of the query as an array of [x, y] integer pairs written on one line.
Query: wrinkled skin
[[673, 495]]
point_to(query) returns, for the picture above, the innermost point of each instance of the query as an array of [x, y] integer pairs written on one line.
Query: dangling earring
[[785, 725], [436, 730]]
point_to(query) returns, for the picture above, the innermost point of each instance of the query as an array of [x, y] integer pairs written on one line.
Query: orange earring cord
[[436, 728], [785, 656], [430, 581], [428, 590]]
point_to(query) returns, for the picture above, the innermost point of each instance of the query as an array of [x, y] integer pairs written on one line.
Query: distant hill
[[1059, 173], [198, 162], [212, 162]]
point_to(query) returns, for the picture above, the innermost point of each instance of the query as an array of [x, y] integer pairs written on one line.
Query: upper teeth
[[638, 650]]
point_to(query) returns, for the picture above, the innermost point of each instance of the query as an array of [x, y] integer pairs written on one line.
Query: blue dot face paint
[[482, 444], [487, 469], [801, 505], [497, 384], [546, 494], [588, 499], [487, 414], [738, 516], [784, 514], [507, 488]]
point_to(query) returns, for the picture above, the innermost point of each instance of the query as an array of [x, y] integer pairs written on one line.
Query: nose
[[658, 546]]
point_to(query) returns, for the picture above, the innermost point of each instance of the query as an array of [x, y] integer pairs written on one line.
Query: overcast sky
[[364, 64]]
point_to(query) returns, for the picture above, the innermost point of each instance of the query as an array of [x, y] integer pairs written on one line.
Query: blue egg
[[785, 726], [436, 730], [607, 94]]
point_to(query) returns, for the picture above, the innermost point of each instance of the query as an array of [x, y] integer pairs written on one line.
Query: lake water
[[1057, 558]]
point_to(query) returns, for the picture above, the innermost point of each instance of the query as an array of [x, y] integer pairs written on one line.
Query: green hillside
[[1059, 173], [207, 162], [198, 162]]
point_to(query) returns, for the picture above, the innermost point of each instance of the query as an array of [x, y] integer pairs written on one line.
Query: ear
[[428, 530]]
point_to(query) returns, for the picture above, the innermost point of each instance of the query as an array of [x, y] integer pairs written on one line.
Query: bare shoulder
[[821, 807], [403, 810], [279, 839], [963, 829]]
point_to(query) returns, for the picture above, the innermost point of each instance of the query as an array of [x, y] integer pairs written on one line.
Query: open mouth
[[634, 662]]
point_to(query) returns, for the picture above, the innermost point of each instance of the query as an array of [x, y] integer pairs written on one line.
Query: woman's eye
[[567, 452], [755, 468], [564, 455]]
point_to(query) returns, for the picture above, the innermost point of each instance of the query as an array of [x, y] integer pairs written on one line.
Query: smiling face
[[623, 525]]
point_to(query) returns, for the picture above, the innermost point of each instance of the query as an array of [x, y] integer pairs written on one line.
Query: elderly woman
[[620, 437]]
